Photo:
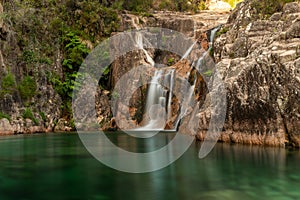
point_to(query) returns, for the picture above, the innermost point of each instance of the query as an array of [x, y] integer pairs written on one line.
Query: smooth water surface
[[57, 166]]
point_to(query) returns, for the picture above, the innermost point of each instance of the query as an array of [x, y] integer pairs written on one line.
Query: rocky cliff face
[[31, 105], [259, 61]]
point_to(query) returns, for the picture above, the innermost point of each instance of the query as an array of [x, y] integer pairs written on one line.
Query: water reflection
[[52, 166]]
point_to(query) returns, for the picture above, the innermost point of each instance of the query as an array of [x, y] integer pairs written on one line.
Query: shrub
[[222, 31], [202, 6], [266, 8], [29, 57], [208, 73], [27, 88], [170, 61], [137, 5], [8, 84], [43, 116], [27, 114], [3, 115], [233, 3]]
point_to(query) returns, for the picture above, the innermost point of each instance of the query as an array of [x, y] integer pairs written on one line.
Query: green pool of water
[[57, 166]]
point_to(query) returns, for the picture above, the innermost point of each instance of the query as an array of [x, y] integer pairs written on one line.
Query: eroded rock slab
[[259, 63]]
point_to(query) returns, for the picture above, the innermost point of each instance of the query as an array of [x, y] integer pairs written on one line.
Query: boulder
[[292, 7], [5, 127]]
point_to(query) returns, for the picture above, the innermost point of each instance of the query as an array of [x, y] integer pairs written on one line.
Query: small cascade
[[188, 51], [200, 61], [212, 36], [134, 24], [170, 81], [211, 39], [155, 104], [155, 90], [140, 45], [186, 102]]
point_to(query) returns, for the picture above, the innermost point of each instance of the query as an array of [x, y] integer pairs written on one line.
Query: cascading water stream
[[159, 99], [154, 91], [171, 84], [188, 51], [140, 45], [186, 101], [212, 35]]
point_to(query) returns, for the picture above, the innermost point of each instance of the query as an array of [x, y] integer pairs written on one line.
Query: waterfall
[[160, 98], [158, 107], [159, 95]]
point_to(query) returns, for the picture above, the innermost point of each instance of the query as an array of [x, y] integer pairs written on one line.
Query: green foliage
[[170, 61], [3, 115], [167, 5], [202, 6], [44, 28], [137, 5], [45, 60], [105, 70], [141, 6], [118, 5], [74, 50], [88, 19], [72, 124], [27, 114], [63, 87], [266, 8], [29, 56], [183, 5], [43, 116], [115, 95], [208, 73], [233, 3], [222, 31], [8, 84], [27, 88], [211, 52]]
